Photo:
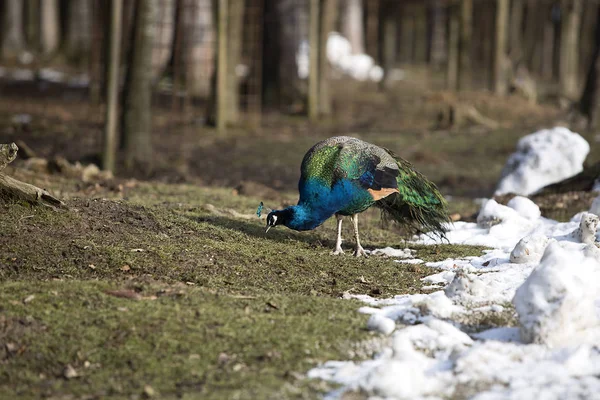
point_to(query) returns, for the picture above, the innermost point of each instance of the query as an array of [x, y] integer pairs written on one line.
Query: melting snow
[[542, 158], [549, 271], [359, 66]]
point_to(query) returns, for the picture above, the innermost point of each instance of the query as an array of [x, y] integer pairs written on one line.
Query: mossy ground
[[162, 291]]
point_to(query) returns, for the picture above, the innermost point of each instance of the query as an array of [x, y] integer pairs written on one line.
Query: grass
[[185, 342], [161, 295]]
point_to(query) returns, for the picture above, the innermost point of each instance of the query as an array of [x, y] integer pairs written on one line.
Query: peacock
[[344, 176]]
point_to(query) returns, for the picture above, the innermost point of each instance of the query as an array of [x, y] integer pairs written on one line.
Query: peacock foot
[[337, 251], [359, 251]]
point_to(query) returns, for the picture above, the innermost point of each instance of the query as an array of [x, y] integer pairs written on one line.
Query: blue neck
[[305, 218]]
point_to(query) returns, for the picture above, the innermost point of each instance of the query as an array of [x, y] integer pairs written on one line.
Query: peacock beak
[[268, 227]]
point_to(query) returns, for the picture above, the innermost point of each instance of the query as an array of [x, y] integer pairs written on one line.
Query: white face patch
[[274, 219]]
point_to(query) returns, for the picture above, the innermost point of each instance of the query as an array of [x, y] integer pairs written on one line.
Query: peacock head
[[278, 217], [275, 217]]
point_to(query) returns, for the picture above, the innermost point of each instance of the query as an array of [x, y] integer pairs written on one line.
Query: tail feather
[[418, 204]]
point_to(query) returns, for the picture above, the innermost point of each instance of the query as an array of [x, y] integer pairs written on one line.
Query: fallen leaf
[[29, 298], [125, 268], [69, 372], [137, 250], [238, 367], [92, 266], [11, 347], [149, 391]]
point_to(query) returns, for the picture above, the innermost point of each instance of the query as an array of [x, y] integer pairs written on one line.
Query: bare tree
[[517, 12], [500, 60], [138, 89], [453, 48], [79, 26], [372, 8], [13, 41], [590, 99], [389, 40], [327, 23], [421, 39], [49, 26], [464, 57], [164, 24], [234, 54], [407, 32], [569, 47], [293, 47], [437, 51], [352, 24], [198, 45]]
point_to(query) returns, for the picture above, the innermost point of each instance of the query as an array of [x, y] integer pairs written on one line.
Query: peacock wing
[[368, 165], [319, 164]]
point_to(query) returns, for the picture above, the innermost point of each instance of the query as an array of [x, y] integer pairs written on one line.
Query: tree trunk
[[327, 24], [79, 30], [293, 52], [438, 55], [482, 61], [453, 48], [466, 29], [569, 47], [234, 55], [532, 32], [13, 41], [547, 46], [49, 26], [389, 45], [109, 155], [313, 74], [162, 44], [407, 33], [137, 116], [587, 39], [32, 21], [590, 99], [421, 34], [500, 62], [372, 28], [517, 12], [211, 108], [352, 25], [198, 46], [12, 189], [221, 82]]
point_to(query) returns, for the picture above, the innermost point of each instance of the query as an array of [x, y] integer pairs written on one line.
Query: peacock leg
[[338, 242], [358, 250]]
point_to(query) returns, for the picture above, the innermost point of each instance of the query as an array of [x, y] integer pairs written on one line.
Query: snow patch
[[543, 158], [556, 304], [359, 66], [529, 249], [549, 272]]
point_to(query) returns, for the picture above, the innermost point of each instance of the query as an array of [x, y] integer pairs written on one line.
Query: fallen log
[[13, 189]]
